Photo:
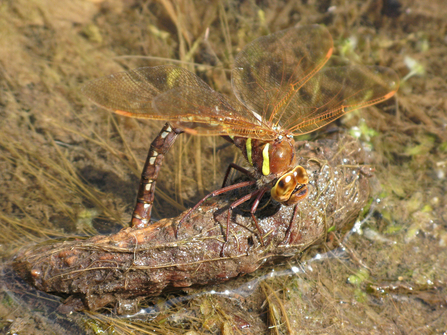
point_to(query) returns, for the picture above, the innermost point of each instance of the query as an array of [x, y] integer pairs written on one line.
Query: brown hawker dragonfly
[[282, 91]]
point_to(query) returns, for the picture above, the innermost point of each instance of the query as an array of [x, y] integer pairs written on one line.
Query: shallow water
[[50, 136]]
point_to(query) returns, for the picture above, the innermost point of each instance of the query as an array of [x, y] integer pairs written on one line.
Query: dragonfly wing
[[131, 93], [269, 69], [204, 112], [335, 91]]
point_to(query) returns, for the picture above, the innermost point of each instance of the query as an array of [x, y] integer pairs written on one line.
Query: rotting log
[[139, 262]]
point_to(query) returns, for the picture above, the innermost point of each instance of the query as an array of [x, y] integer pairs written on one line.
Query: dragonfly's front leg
[[213, 194], [236, 167]]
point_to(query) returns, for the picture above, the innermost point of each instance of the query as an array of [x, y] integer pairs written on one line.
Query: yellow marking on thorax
[[248, 148], [266, 160]]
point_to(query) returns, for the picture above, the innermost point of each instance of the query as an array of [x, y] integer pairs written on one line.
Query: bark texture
[[139, 262]]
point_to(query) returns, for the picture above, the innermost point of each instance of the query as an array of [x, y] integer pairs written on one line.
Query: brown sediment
[[139, 262]]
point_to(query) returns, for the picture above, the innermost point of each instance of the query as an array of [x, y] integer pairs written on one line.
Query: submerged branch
[[139, 262]]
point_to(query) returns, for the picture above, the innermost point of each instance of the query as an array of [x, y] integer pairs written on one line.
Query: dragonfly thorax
[[276, 160], [269, 158], [281, 156]]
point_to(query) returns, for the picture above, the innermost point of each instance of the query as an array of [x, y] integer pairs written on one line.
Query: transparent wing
[[335, 91], [280, 76], [210, 113], [269, 70], [277, 79], [184, 99], [131, 93]]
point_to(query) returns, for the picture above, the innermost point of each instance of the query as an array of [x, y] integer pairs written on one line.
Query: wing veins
[[306, 79]]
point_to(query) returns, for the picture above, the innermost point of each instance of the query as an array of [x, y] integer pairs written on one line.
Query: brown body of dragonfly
[[282, 91]]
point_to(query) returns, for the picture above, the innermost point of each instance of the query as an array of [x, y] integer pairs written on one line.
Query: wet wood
[[146, 261]]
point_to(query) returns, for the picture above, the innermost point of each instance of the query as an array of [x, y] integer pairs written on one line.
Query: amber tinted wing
[[211, 113], [131, 93], [281, 77], [177, 95], [335, 91], [269, 70]]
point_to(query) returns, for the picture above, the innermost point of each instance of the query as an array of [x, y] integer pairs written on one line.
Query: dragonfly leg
[[236, 167], [233, 206], [159, 147], [258, 194], [254, 207], [213, 194], [289, 228]]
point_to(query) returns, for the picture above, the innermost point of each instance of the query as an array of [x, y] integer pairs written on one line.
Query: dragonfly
[[281, 90]]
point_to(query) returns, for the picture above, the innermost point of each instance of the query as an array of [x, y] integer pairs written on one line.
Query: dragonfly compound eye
[[291, 187]]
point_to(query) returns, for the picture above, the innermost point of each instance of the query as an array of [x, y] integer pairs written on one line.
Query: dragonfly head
[[291, 187]]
